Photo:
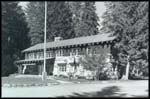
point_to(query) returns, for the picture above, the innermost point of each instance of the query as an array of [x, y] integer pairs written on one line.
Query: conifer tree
[[85, 19], [14, 36], [129, 22], [59, 21], [35, 19]]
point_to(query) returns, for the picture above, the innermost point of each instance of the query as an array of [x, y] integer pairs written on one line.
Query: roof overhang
[[100, 38]]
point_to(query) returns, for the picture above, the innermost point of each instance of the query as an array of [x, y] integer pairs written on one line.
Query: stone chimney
[[57, 38]]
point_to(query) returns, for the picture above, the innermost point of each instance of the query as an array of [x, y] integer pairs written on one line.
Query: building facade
[[63, 56]]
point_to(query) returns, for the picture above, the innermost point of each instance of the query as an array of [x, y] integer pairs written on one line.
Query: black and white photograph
[[67, 49]]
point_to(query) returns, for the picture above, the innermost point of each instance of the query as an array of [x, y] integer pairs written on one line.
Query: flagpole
[[44, 74]]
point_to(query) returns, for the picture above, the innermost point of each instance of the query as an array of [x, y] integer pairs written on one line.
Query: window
[[64, 52], [41, 54], [94, 50], [58, 52], [62, 68], [77, 51], [38, 54], [26, 56], [81, 51], [31, 55], [35, 55], [89, 50], [67, 52], [48, 54], [61, 52], [74, 51], [53, 53]]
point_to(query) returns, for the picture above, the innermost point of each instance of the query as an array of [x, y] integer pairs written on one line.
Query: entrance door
[[50, 66]]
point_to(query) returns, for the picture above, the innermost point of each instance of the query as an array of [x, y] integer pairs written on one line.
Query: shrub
[[98, 64]]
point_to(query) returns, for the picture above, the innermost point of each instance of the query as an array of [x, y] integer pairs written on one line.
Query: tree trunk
[[126, 75]]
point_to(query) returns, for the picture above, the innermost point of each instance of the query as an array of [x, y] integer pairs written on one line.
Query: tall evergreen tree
[[85, 18], [129, 21], [35, 19], [59, 21], [14, 35]]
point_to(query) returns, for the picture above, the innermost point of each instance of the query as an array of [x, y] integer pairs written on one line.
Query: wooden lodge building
[[63, 56]]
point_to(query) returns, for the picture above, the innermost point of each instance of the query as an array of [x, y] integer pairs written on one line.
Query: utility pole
[[44, 74], [127, 67]]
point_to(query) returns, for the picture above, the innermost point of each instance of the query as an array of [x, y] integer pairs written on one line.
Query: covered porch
[[34, 67]]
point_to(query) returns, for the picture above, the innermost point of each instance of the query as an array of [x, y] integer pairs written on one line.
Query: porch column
[[87, 50], [24, 68], [40, 69], [20, 69]]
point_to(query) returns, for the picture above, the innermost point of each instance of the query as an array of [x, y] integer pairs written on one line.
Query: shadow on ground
[[105, 92]]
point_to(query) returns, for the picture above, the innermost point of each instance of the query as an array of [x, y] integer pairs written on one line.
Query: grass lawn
[[72, 79], [29, 80], [57, 80], [26, 80]]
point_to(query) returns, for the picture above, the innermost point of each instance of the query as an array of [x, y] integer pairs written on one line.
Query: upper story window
[[69, 51], [38, 55], [26, 56], [89, 51], [49, 54], [41, 54], [63, 52], [66, 52], [73, 51], [35, 54], [81, 51], [58, 53], [31, 55], [94, 50]]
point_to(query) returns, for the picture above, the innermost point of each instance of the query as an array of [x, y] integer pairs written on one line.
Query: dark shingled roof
[[73, 41]]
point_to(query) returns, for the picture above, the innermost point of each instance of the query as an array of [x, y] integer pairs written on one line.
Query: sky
[[100, 9]]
